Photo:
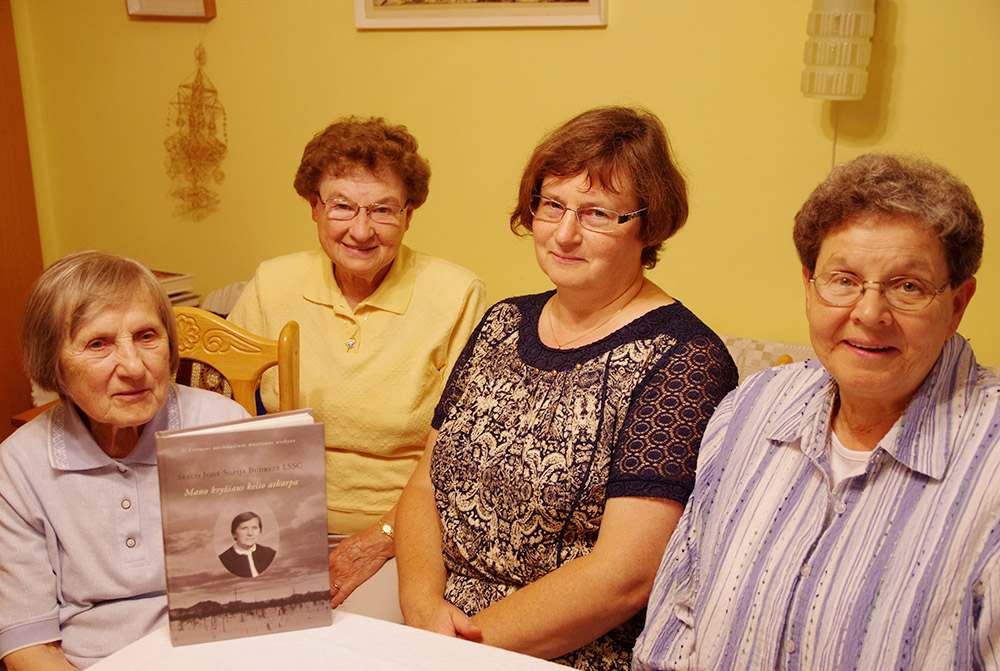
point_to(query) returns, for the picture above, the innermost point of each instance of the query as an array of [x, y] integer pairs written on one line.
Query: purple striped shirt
[[897, 568]]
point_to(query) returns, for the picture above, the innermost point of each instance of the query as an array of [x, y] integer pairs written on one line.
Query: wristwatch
[[386, 528]]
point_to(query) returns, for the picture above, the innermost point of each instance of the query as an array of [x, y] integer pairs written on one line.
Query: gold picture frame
[[403, 14], [171, 10]]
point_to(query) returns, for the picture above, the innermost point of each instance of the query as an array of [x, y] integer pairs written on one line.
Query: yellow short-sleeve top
[[373, 374]]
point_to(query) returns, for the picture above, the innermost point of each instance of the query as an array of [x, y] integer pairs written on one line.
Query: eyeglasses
[[904, 293], [597, 219], [339, 209]]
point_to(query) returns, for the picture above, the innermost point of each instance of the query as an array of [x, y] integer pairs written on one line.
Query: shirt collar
[[940, 401], [945, 389], [73, 448], [806, 419], [241, 551], [392, 295]]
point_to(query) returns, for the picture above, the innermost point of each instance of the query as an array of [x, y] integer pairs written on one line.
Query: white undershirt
[[846, 463], [249, 555]]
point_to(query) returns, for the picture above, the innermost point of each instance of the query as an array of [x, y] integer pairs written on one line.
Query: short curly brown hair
[[372, 144], [886, 184], [610, 142]]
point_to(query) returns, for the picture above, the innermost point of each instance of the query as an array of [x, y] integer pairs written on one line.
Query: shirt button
[[804, 571], [840, 507], [126, 504], [789, 646], [122, 468], [130, 542]]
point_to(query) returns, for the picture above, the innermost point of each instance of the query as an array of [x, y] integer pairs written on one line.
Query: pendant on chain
[[352, 338]]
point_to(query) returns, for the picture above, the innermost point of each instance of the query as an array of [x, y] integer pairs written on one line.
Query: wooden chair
[[240, 356], [26, 416]]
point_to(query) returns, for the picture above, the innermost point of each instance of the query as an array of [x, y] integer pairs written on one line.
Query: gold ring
[[336, 586]]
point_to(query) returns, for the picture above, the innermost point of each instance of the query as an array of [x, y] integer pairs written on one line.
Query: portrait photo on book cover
[[247, 556]]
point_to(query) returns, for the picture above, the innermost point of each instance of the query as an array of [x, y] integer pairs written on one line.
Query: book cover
[[175, 283], [244, 527]]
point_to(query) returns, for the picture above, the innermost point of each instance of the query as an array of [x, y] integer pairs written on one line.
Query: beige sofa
[[752, 355]]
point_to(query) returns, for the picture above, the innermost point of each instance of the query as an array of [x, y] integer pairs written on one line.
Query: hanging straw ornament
[[195, 150]]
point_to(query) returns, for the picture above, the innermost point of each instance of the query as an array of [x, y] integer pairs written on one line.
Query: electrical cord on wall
[[833, 149]]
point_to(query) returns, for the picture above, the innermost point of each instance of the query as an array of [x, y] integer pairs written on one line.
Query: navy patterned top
[[533, 440]]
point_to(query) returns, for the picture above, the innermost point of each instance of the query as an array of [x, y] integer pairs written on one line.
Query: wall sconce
[[838, 49]]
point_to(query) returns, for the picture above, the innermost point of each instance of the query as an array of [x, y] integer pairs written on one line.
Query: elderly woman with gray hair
[[846, 512], [82, 572]]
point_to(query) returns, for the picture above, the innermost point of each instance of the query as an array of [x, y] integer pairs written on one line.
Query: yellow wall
[[722, 75]]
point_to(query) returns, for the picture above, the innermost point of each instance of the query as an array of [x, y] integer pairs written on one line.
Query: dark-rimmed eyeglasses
[[339, 209], [597, 219], [904, 293]]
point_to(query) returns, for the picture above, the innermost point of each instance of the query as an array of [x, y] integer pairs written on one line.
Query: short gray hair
[[889, 185], [72, 290]]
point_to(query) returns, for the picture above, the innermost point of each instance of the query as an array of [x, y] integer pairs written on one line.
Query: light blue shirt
[[81, 547], [896, 568]]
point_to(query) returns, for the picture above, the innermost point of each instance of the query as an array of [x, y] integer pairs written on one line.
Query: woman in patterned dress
[[565, 443]]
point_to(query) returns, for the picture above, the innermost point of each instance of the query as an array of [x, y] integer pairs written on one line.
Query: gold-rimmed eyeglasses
[[340, 209]]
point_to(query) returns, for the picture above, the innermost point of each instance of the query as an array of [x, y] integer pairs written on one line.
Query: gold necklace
[[560, 345]]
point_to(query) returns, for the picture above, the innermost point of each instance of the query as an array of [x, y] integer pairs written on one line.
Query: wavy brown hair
[[611, 144], [373, 144]]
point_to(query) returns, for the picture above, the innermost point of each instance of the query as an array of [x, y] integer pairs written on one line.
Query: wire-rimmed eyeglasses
[[597, 219], [339, 209], [904, 293]]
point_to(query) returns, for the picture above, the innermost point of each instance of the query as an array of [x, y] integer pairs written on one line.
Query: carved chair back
[[239, 356]]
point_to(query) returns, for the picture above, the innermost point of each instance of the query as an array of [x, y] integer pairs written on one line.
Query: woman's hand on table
[[41, 657], [442, 617], [357, 558]]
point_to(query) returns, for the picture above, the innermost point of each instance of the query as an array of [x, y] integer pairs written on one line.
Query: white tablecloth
[[352, 642]]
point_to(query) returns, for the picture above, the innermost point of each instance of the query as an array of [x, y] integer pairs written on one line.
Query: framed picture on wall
[[377, 14], [182, 10]]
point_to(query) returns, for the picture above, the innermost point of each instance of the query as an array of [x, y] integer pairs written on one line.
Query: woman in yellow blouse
[[381, 326]]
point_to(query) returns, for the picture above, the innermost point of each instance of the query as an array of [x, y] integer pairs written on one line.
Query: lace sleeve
[[657, 449]]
